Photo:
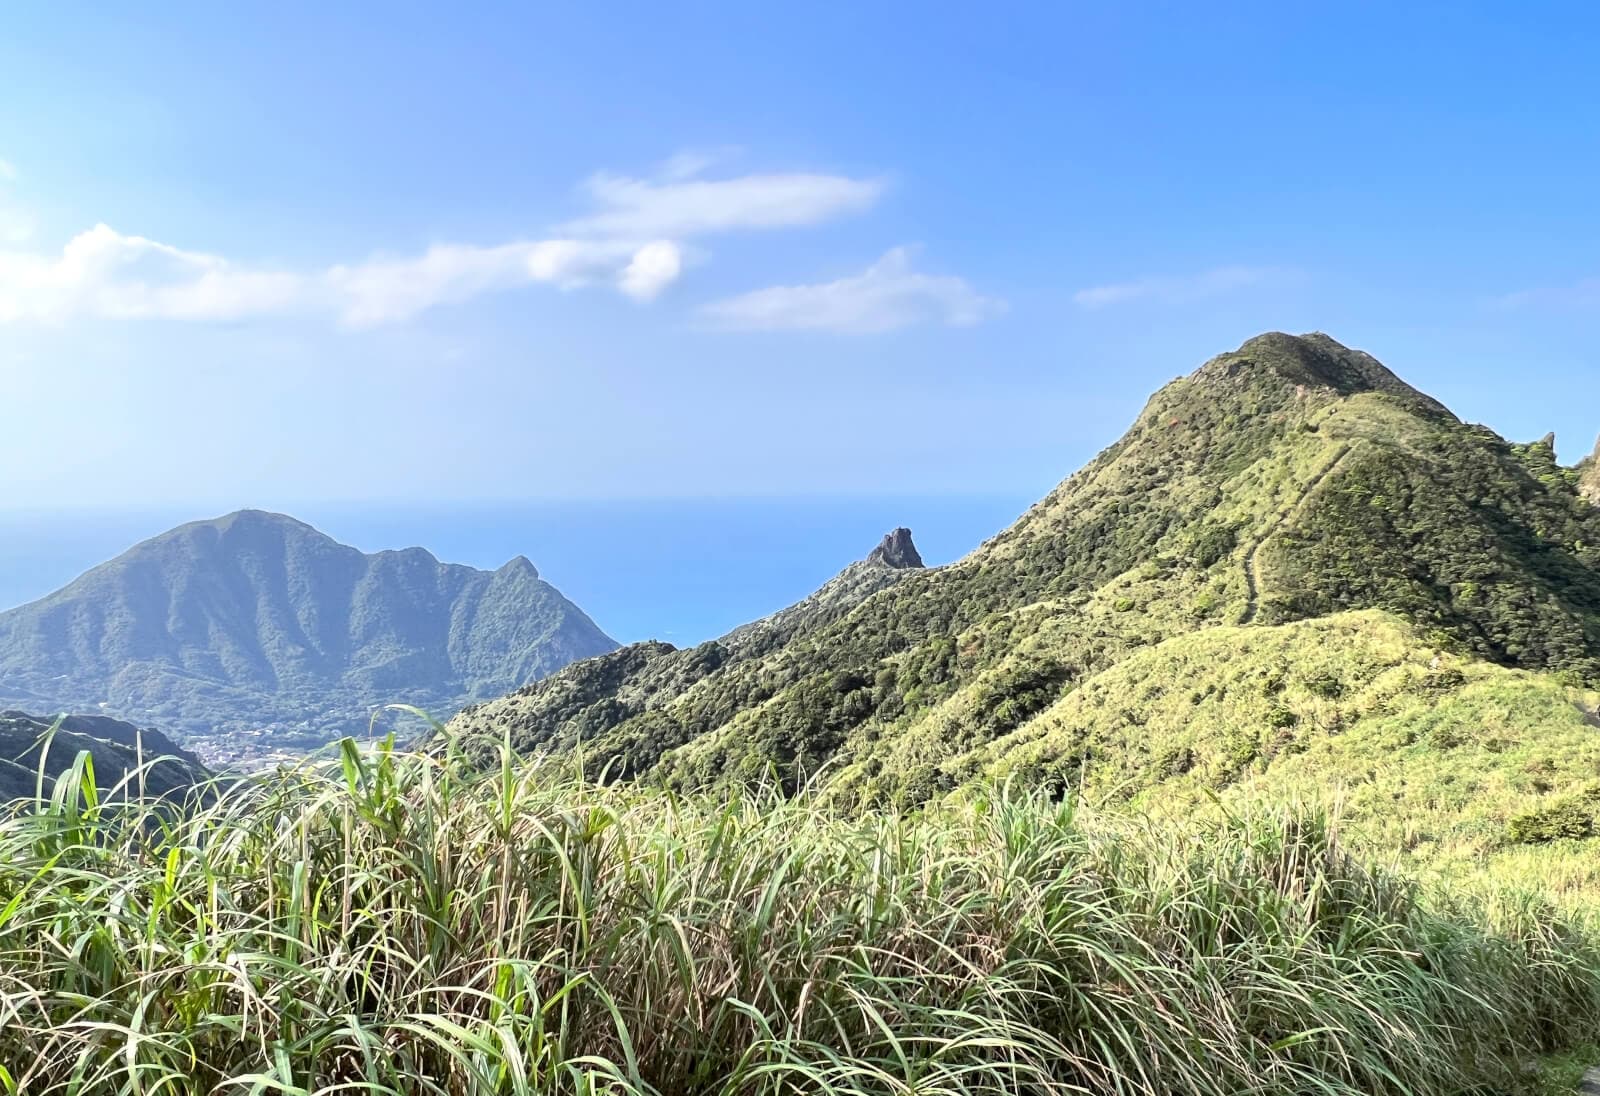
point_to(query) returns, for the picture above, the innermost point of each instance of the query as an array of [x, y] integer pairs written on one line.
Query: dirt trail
[[1252, 575]]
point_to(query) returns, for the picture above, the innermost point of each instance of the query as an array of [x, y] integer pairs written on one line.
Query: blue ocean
[[678, 570]]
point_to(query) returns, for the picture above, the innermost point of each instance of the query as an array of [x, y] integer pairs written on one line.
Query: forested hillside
[[257, 620]]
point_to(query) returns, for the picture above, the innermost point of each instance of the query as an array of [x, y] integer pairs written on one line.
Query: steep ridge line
[[943, 680], [1252, 574]]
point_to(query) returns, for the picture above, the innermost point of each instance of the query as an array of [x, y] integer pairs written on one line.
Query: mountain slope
[[632, 706], [257, 619], [1589, 477], [1293, 481], [116, 748]]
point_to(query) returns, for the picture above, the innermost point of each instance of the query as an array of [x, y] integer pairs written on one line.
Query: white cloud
[[1177, 290], [389, 290], [680, 206], [104, 273], [652, 268], [886, 296], [573, 264], [634, 242], [8, 174], [384, 290]]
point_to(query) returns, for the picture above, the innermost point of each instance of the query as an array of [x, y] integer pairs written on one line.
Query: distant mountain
[[1294, 567], [117, 749], [258, 620]]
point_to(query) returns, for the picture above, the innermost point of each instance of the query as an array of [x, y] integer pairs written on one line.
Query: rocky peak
[[897, 551], [522, 565]]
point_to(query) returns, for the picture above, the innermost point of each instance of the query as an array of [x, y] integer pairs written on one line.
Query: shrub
[[1326, 685], [1211, 544], [1281, 717], [1569, 818]]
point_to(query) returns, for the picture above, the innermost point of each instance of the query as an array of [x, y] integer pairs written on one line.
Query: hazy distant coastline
[[682, 570]]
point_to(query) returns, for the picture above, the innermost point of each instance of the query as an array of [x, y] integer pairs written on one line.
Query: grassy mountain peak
[[1287, 495], [1316, 360]]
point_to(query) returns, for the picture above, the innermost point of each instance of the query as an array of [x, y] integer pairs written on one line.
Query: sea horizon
[[681, 570]]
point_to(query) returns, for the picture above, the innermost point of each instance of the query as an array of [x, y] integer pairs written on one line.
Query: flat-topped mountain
[[1294, 566], [256, 619]]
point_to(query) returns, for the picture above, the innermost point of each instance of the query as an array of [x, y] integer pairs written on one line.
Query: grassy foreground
[[400, 923]]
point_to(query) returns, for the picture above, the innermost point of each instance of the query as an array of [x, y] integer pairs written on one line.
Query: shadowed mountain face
[[1290, 490], [117, 749], [256, 619], [1589, 484]]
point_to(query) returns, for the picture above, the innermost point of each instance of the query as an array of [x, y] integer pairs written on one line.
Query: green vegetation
[[406, 923], [256, 620], [35, 751], [1571, 818], [1589, 476], [1056, 818], [1427, 753], [1291, 536]]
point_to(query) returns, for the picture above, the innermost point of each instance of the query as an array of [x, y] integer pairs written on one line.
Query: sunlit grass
[[406, 923]]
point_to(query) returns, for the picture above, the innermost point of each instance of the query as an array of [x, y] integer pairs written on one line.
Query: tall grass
[[402, 923]]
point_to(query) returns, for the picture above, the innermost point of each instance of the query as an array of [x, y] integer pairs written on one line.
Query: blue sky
[[273, 255]]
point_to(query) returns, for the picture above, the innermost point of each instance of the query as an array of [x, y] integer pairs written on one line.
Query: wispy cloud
[[1178, 290], [8, 174], [690, 162], [105, 273], [680, 206], [1583, 294], [886, 296], [633, 241]]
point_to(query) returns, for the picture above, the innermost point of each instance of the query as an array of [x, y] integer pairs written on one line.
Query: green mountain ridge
[[36, 750], [256, 619], [630, 687], [1290, 485]]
